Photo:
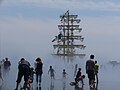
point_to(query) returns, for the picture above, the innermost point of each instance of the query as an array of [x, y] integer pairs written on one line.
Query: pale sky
[[28, 26]]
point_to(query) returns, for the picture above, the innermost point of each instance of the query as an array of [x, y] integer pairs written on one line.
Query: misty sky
[[28, 26]]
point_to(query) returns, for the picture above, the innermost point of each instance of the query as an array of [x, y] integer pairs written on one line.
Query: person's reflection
[[1, 84], [52, 85], [77, 87], [96, 87], [64, 84], [38, 87]]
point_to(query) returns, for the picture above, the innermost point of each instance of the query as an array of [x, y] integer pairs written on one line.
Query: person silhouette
[[52, 72], [38, 70], [90, 71], [23, 70]]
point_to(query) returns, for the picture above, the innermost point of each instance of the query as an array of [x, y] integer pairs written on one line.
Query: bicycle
[[25, 86]]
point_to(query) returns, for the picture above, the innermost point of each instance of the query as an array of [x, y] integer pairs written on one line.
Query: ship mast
[[66, 40]]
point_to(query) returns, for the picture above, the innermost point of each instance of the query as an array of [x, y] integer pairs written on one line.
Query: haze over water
[[108, 75]]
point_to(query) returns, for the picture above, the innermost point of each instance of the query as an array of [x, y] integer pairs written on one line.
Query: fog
[[30, 38], [108, 73]]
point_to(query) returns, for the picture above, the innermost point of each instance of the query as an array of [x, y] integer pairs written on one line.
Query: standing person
[[90, 71], [52, 71], [38, 70], [23, 70], [64, 73], [96, 70], [7, 64]]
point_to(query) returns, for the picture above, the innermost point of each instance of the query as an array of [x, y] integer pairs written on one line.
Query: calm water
[[108, 75]]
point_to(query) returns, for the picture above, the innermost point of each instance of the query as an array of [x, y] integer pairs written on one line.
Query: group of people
[[92, 68], [4, 66], [52, 72], [28, 72], [25, 69], [92, 71]]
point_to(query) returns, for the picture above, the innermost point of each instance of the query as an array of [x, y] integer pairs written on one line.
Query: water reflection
[[96, 87], [51, 85], [38, 87], [64, 84], [78, 88], [31, 86], [6, 72], [1, 84], [69, 59], [58, 84]]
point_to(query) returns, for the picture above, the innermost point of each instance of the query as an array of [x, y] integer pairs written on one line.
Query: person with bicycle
[[23, 70]]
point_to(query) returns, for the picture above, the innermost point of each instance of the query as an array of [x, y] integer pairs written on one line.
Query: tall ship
[[69, 41]]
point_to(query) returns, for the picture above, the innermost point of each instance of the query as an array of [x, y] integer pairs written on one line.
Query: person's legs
[[76, 81], [40, 79], [82, 81], [92, 79], [36, 77], [89, 77], [53, 76], [97, 77], [20, 74], [82, 77], [26, 76]]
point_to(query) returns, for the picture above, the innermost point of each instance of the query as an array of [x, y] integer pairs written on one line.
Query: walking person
[[23, 70], [52, 72], [64, 73], [39, 70], [96, 70], [90, 70], [7, 64]]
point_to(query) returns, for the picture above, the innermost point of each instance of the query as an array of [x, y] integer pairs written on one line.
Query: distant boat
[[69, 41]]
